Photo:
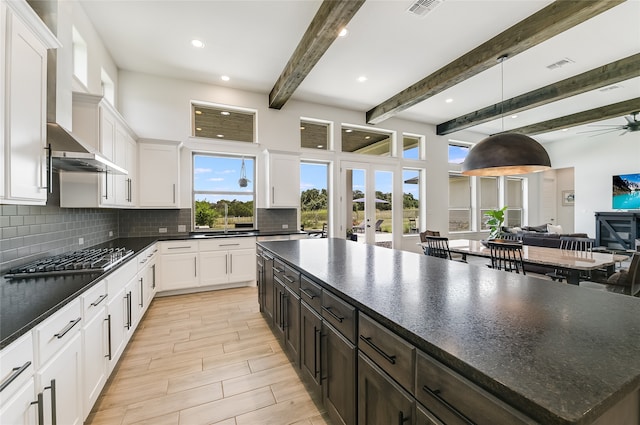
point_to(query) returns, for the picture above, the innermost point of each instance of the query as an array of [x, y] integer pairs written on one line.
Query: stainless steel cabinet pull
[[54, 415], [153, 276], [230, 263], [108, 320], [174, 193], [308, 293], [67, 328], [277, 270], [402, 419], [332, 314], [195, 266], [99, 300], [141, 293], [316, 339], [15, 372], [288, 278], [367, 340], [179, 247], [40, 403], [106, 185], [436, 394], [128, 301], [229, 244], [48, 171]]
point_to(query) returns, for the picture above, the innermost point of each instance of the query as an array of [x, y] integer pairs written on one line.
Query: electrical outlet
[[182, 228], [162, 230], [110, 233], [285, 226], [80, 241]]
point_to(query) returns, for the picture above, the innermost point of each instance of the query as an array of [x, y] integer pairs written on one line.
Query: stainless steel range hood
[[68, 153]]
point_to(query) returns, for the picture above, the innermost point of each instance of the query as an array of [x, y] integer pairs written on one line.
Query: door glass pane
[[410, 201], [314, 196], [355, 181], [459, 203], [383, 224]]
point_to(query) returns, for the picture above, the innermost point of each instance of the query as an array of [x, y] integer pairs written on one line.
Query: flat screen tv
[[626, 192]]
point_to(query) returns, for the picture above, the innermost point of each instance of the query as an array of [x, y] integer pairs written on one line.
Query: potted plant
[[495, 222]]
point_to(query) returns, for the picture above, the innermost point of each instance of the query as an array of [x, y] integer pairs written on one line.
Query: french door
[[367, 202]]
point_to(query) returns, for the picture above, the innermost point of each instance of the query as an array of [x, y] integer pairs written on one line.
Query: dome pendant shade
[[506, 154]]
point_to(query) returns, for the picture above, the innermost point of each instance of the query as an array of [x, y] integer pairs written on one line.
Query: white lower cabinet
[[186, 265], [21, 409], [17, 386]]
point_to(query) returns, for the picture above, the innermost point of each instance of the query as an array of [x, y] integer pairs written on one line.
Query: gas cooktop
[[82, 261]]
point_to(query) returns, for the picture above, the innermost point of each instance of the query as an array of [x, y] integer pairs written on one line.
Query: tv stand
[[618, 229]]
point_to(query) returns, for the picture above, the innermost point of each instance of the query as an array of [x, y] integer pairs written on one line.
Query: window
[[366, 142], [488, 198], [410, 201], [222, 122], [216, 183], [80, 58], [314, 197], [314, 134], [514, 201], [457, 153], [108, 88], [411, 146], [459, 203]]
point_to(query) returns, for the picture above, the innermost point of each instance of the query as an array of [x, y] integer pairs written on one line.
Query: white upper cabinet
[[159, 174], [283, 180], [23, 97]]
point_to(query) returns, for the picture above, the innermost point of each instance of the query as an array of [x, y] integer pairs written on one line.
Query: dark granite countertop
[[560, 353], [26, 302]]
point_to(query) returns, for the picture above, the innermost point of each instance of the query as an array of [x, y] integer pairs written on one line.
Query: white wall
[[595, 160]]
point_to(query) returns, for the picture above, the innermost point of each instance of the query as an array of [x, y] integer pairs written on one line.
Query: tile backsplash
[[272, 219], [136, 223]]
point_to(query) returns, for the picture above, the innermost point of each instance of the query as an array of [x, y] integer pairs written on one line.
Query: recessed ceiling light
[[301, 127], [198, 112], [362, 79], [343, 32], [225, 113], [225, 78], [320, 146], [449, 100], [198, 129], [348, 130], [197, 43], [220, 135], [367, 137], [565, 129], [514, 116]]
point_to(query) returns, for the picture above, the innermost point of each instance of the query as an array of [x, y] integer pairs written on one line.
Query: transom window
[[314, 134], [411, 146], [457, 153], [365, 141], [223, 180], [223, 122]]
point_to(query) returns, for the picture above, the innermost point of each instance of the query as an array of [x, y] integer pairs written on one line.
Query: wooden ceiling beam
[[330, 19], [554, 19], [603, 76], [585, 117]]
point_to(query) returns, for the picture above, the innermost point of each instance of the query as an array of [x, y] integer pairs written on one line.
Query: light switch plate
[[162, 230]]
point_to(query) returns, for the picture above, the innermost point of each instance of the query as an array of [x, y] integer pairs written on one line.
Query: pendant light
[[505, 153], [243, 181]]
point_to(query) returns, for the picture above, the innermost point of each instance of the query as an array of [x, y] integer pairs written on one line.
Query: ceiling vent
[[560, 63], [422, 7]]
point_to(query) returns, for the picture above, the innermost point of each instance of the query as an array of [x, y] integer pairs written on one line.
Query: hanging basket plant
[[243, 181]]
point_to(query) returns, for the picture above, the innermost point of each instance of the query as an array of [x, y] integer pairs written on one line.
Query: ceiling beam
[[585, 117], [330, 19], [603, 76], [559, 16]]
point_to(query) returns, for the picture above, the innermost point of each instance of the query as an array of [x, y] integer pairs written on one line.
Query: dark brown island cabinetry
[[380, 348]]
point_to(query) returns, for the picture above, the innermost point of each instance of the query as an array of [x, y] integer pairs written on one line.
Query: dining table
[[573, 263]]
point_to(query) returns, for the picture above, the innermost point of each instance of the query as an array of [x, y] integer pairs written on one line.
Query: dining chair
[[625, 282], [423, 235], [413, 226], [569, 243], [506, 256], [438, 246]]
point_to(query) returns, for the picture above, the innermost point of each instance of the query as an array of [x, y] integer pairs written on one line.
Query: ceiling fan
[[633, 124]]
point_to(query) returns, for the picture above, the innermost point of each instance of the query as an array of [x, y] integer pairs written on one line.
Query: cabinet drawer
[[16, 366], [93, 300], [145, 256], [340, 314], [291, 278], [120, 277], [226, 244], [178, 247], [456, 400], [390, 352], [311, 293], [57, 330]]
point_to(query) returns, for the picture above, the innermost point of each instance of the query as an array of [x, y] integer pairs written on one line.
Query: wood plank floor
[[205, 358]]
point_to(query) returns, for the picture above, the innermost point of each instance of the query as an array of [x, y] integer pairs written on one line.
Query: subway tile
[[9, 210], [9, 232]]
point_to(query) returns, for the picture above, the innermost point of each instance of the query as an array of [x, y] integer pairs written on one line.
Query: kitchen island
[[557, 353]]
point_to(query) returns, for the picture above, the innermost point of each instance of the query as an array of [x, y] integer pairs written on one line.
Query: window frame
[[471, 203]]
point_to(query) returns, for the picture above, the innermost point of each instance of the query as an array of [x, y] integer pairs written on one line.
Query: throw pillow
[[619, 278], [554, 229]]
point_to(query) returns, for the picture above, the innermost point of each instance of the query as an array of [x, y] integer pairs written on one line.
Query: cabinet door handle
[[180, 247], [401, 418], [99, 300], [316, 344], [67, 328], [40, 402], [15, 372], [230, 244], [308, 293], [332, 314], [48, 171], [367, 340], [141, 293], [174, 193], [54, 415], [230, 263], [106, 185], [128, 301], [195, 267], [153, 276], [436, 394], [288, 278], [108, 320], [277, 270]]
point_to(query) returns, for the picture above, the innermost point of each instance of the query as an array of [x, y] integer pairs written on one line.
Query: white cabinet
[[58, 377], [119, 311], [159, 178], [18, 390], [23, 82], [94, 344], [20, 409], [100, 126], [283, 180], [147, 266], [178, 265]]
